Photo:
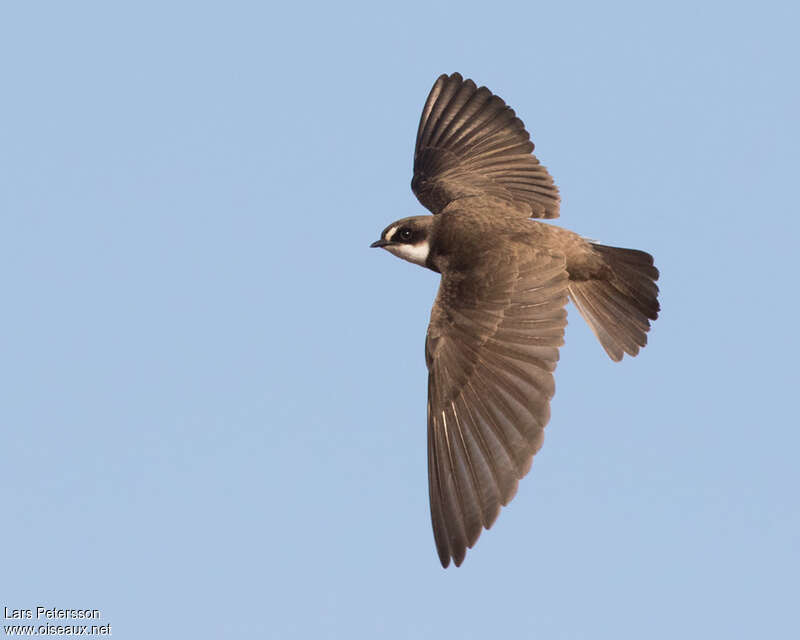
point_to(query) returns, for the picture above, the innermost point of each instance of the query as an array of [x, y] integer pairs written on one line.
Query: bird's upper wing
[[491, 350], [470, 143]]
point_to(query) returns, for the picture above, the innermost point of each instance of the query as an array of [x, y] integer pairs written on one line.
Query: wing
[[470, 143], [491, 350]]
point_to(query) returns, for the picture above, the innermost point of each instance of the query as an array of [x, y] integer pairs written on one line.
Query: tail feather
[[619, 303]]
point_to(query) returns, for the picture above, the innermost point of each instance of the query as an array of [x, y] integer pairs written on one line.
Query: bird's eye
[[404, 234]]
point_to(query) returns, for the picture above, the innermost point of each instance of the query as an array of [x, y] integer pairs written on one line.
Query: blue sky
[[212, 393]]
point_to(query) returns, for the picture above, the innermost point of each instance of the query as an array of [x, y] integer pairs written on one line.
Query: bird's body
[[499, 316], [464, 230]]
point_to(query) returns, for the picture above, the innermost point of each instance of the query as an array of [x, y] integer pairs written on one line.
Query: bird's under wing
[[470, 143], [491, 350]]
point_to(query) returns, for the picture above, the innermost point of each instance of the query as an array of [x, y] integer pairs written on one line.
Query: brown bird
[[499, 316]]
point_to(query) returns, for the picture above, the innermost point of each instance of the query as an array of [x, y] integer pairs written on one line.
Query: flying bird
[[499, 316]]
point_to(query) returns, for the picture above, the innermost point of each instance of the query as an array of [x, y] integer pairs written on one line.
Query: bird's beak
[[378, 243]]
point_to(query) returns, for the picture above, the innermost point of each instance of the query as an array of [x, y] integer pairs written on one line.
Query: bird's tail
[[619, 303]]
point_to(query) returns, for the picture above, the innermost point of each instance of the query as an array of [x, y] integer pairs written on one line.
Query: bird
[[499, 315]]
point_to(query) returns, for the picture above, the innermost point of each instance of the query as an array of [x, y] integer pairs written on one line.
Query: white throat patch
[[416, 253]]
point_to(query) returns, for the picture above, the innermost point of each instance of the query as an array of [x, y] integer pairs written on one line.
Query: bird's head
[[408, 239]]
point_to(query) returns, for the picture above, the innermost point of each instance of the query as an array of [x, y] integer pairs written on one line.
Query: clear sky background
[[212, 392]]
